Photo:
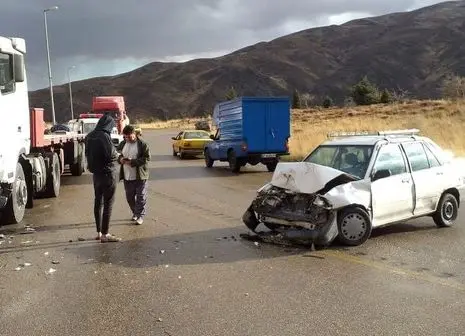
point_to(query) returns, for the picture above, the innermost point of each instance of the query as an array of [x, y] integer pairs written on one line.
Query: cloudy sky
[[106, 37]]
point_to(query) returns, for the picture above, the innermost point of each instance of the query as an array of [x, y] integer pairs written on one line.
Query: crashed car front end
[[302, 201], [296, 216]]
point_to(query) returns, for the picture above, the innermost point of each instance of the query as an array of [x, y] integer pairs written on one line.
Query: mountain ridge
[[411, 50]]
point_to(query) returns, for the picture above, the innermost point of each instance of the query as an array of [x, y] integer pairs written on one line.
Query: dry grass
[[443, 121]]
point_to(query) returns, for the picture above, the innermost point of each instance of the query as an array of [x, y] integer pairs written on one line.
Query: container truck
[[250, 130], [115, 106], [31, 162]]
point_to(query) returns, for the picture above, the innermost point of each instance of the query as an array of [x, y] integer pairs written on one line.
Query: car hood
[[339, 188]]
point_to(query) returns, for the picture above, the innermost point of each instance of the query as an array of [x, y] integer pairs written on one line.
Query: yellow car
[[190, 142]]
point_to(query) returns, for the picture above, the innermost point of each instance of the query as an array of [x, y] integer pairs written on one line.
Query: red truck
[[115, 106]]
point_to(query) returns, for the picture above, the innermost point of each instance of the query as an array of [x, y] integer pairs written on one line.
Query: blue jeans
[[136, 196]]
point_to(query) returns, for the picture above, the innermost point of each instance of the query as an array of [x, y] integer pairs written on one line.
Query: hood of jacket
[[106, 124]]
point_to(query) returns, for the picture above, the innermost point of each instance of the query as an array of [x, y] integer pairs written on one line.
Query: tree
[[453, 87], [327, 102], [386, 97], [365, 93], [231, 94], [296, 103]]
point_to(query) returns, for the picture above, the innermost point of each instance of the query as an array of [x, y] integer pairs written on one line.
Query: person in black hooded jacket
[[101, 162]]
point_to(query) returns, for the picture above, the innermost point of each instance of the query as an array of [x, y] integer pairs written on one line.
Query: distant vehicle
[[250, 130], [31, 162], [86, 124], [202, 125], [114, 105], [190, 143], [351, 184]]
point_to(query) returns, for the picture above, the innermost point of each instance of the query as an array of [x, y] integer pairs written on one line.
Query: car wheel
[[182, 155], [234, 164], [354, 226], [208, 159], [447, 211]]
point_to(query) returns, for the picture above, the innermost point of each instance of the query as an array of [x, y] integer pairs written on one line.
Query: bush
[[296, 103], [453, 87], [327, 102], [365, 93], [386, 97]]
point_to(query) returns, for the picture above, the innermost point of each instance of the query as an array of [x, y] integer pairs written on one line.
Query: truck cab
[[115, 106], [250, 130], [86, 124]]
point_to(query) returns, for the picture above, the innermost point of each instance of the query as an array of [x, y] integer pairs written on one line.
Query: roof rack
[[402, 132]]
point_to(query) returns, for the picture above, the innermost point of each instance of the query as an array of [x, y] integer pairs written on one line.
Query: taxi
[[190, 143]]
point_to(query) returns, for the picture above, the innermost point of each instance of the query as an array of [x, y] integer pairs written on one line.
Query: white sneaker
[[134, 218], [139, 221]]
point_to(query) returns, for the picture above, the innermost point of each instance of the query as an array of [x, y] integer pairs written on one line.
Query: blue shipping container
[[251, 130]]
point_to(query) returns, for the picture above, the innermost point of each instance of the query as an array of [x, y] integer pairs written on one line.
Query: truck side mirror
[[18, 68], [380, 174]]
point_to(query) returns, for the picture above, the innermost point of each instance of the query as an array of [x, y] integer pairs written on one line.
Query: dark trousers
[[136, 196], [104, 189]]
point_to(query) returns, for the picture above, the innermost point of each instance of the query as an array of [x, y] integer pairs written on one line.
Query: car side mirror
[[380, 174], [173, 138], [212, 137]]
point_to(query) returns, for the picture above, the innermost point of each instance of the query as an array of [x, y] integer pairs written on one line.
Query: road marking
[[374, 264]]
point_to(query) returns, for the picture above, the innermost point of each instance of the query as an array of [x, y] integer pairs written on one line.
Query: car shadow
[[191, 172], [216, 246]]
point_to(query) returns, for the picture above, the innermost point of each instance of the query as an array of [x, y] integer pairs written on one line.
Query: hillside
[[412, 51]]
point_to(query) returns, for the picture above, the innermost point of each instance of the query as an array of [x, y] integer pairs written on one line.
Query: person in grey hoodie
[[102, 163]]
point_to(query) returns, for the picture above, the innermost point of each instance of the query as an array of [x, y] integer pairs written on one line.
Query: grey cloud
[[154, 29]]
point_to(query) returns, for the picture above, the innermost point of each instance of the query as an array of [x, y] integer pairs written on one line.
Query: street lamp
[[70, 92], [48, 60]]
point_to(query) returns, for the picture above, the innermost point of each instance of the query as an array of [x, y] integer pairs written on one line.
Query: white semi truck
[[31, 162]]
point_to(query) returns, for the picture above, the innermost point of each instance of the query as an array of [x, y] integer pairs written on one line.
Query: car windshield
[[196, 135], [351, 159], [88, 127]]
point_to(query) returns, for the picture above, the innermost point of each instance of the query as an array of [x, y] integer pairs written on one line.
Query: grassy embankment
[[443, 121]]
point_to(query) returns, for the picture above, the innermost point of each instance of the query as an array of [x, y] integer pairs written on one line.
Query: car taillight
[[244, 146]]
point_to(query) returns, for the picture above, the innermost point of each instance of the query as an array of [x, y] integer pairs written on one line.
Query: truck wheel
[[208, 160], [78, 168], [234, 163], [354, 226], [271, 166], [447, 211], [52, 188], [16, 205]]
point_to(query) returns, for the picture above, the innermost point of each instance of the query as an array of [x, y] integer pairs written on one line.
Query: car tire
[[208, 160], [353, 225], [182, 155], [447, 211], [234, 163], [271, 166]]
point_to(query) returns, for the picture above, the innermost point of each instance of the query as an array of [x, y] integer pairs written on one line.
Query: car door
[[392, 195], [177, 141], [428, 178]]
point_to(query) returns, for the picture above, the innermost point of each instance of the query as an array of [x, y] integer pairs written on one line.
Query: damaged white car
[[351, 184]]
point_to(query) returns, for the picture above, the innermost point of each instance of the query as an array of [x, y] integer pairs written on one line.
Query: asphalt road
[[186, 271]]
